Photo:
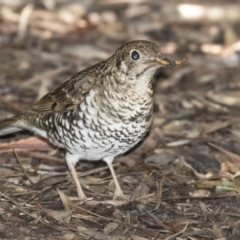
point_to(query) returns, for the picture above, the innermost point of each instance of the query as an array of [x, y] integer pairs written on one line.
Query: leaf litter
[[182, 180]]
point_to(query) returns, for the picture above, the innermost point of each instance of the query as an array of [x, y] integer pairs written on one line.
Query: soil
[[182, 180]]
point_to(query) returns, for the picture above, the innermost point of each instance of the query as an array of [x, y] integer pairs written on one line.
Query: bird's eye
[[135, 55]]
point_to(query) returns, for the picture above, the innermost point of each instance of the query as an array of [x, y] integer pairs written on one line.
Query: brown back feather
[[67, 96]]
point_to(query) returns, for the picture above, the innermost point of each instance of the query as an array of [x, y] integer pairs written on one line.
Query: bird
[[100, 112]]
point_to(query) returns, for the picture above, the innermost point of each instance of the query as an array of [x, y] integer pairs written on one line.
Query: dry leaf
[[63, 217], [66, 201], [135, 237], [32, 143], [110, 227], [68, 236], [141, 190]]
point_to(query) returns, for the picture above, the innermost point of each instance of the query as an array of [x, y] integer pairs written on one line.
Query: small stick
[[21, 166], [167, 61]]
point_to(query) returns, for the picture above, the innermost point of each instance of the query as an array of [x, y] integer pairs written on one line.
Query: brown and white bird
[[100, 112]]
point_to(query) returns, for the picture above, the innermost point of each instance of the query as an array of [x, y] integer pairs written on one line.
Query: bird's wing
[[67, 96]]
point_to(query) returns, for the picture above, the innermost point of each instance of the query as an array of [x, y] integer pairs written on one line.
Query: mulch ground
[[182, 180]]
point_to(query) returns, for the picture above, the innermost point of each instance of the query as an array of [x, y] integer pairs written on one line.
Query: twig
[[36, 195], [159, 195], [9, 199], [23, 20], [21, 166]]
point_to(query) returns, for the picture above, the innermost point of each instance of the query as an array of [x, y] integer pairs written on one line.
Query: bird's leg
[[118, 191], [71, 162]]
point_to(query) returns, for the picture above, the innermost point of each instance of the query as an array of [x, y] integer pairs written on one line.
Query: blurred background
[[44, 42], [195, 131]]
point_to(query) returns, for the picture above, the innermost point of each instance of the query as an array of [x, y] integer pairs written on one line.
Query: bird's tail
[[9, 125]]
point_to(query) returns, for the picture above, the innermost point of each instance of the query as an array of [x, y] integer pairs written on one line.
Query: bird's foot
[[118, 195]]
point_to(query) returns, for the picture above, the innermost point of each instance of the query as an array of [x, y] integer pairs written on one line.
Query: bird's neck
[[126, 101], [128, 89]]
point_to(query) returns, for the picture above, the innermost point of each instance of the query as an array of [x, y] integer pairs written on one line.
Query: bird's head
[[139, 60]]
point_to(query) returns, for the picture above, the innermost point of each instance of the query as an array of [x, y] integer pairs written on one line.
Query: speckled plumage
[[100, 112]]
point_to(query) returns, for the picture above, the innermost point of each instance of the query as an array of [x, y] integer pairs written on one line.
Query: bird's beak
[[165, 61]]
